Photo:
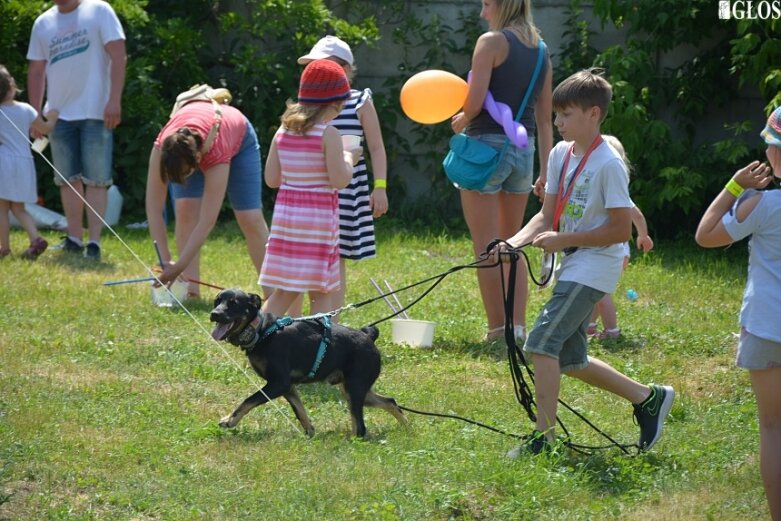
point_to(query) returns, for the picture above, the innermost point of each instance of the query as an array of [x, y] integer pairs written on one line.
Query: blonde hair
[[300, 118], [349, 68], [516, 14], [614, 142]]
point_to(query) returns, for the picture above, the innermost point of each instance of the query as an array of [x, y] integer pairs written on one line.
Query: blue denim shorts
[[560, 329], [81, 151], [245, 183], [514, 174]]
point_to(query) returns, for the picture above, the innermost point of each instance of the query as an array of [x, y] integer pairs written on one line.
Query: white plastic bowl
[[416, 333], [162, 298]]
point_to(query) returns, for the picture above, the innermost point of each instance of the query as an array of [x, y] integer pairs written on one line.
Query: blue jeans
[[245, 183], [81, 150]]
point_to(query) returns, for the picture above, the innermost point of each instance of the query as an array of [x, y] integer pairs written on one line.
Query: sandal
[[494, 334], [609, 334], [520, 333], [37, 246], [591, 331]]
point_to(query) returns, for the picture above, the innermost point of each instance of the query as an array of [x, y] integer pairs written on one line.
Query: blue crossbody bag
[[470, 163]]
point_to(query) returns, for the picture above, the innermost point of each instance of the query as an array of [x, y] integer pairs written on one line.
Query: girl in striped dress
[[358, 204], [308, 163]]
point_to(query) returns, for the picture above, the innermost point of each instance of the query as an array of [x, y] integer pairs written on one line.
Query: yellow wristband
[[380, 183], [734, 188]]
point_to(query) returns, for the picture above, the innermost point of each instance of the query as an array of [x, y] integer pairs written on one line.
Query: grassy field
[[109, 405]]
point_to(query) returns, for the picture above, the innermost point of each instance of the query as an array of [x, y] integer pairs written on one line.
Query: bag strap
[[207, 144], [529, 89]]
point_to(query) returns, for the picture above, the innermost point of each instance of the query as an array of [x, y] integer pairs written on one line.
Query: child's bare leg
[[547, 383], [767, 387], [602, 375], [321, 302], [279, 301], [5, 225], [607, 310], [296, 309], [25, 220]]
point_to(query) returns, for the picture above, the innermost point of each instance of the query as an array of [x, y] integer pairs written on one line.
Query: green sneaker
[[650, 414]]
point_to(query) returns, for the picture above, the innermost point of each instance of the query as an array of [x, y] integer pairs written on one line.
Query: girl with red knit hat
[[308, 163]]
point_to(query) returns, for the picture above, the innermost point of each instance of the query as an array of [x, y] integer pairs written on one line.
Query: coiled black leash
[[516, 360]]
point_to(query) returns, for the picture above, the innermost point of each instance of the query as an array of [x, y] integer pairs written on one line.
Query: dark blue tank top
[[509, 82]]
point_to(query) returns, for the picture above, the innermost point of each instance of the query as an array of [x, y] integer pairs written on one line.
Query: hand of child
[[754, 175], [539, 188], [353, 155], [378, 202], [550, 241], [644, 243]]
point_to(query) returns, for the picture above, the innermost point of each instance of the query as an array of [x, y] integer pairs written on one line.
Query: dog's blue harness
[[280, 323]]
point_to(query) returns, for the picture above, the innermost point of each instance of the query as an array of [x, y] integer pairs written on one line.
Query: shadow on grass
[[611, 471], [76, 262]]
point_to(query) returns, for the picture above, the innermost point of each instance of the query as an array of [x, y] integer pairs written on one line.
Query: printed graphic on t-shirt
[[576, 205], [67, 44]]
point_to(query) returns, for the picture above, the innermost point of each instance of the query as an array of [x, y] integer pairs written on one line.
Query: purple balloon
[[501, 113]]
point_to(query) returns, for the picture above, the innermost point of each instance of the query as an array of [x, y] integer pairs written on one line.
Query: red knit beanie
[[323, 82]]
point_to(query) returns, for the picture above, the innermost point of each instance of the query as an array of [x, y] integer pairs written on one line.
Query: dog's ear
[[256, 300]]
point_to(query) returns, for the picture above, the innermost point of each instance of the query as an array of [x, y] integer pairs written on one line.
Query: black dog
[[290, 351]]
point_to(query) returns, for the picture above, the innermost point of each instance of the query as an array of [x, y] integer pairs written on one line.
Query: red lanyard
[[563, 196]]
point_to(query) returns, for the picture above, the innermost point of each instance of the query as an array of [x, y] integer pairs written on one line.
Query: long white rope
[[252, 380]]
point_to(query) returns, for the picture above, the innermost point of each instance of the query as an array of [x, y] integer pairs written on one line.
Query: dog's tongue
[[220, 330]]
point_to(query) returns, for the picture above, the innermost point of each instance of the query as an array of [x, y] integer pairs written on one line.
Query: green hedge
[[251, 46]]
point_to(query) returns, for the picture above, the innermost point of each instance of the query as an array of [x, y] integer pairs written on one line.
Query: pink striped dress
[[303, 246]]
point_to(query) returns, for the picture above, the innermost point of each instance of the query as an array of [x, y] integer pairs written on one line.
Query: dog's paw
[[228, 422]]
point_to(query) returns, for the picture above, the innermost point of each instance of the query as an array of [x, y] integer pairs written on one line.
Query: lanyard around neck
[[563, 195]]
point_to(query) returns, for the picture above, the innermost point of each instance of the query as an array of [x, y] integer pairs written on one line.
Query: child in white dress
[[17, 168]]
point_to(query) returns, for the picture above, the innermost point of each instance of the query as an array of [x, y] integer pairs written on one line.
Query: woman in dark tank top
[[503, 62]]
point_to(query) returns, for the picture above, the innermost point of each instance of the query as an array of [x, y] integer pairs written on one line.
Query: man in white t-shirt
[[77, 51]]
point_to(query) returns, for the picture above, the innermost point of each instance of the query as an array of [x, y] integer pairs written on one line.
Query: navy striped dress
[[356, 224]]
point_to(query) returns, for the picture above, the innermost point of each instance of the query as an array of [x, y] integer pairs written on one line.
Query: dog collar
[[249, 335]]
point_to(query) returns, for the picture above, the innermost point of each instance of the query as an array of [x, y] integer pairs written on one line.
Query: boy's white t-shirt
[[602, 184], [78, 79]]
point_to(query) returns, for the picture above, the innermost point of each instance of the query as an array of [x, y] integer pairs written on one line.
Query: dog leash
[[516, 359]]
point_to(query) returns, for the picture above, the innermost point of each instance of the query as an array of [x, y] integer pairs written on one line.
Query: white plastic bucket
[[162, 298], [416, 333], [113, 206]]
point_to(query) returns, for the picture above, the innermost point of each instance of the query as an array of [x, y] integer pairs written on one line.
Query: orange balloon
[[433, 96]]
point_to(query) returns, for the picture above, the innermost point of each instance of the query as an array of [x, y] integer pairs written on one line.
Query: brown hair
[[178, 155], [584, 89], [7, 83], [300, 118]]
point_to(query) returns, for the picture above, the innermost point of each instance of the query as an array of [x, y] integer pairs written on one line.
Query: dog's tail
[[372, 331]]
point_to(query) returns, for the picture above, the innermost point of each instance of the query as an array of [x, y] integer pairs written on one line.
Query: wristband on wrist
[[734, 188], [380, 183]]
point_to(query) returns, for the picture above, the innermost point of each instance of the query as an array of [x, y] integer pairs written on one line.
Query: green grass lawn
[[109, 405]]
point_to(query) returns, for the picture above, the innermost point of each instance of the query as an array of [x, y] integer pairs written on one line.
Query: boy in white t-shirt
[[585, 215], [77, 51]]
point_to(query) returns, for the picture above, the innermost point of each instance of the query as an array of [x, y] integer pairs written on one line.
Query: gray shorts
[[560, 329], [756, 353]]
